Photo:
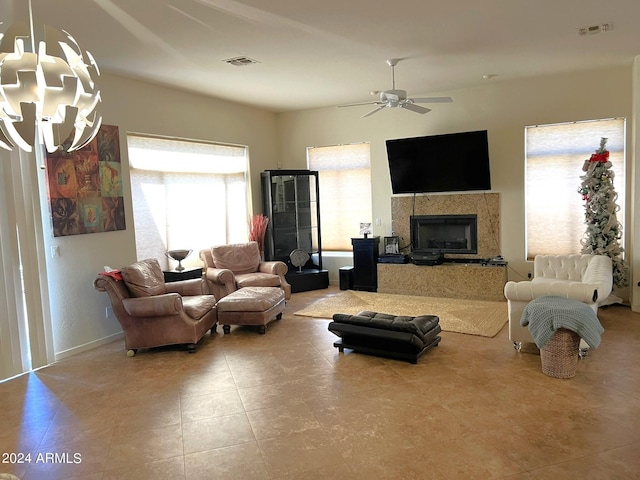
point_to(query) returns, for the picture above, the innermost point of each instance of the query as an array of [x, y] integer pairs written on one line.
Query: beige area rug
[[473, 317]]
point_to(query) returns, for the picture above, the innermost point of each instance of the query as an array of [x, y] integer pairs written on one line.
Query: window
[[187, 195], [344, 177], [555, 155]]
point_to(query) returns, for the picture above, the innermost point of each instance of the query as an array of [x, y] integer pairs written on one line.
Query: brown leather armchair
[[231, 267], [154, 313]]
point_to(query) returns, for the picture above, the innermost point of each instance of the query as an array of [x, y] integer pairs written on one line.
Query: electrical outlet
[[108, 312]]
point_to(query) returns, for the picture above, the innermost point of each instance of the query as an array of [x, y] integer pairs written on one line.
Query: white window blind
[[186, 195], [26, 336], [344, 176], [555, 155]]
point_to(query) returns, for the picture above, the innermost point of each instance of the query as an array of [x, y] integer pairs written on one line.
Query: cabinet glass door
[[293, 213]]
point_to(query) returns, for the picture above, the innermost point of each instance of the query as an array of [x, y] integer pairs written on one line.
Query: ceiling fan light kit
[[46, 92], [396, 98]]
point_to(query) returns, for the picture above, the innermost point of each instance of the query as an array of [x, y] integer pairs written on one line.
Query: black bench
[[400, 337]]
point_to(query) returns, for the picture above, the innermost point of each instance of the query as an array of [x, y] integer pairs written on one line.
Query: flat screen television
[[451, 162]]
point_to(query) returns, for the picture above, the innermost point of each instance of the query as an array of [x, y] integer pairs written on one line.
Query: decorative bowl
[[178, 255]]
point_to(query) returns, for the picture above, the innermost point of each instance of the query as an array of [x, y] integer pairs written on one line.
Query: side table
[[365, 263], [186, 274]]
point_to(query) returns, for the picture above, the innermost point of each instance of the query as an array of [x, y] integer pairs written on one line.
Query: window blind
[[26, 340], [555, 155], [186, 195], [344, 177]]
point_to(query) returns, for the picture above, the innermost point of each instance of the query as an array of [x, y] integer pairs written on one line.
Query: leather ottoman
[[251, 306], [403, 338]]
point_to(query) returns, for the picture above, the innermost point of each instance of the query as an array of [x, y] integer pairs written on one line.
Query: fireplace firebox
[[440, 234]]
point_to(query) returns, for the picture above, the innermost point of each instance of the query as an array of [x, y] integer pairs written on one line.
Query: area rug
[[473, 317]]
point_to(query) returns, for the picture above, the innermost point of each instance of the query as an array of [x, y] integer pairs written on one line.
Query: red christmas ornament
[[600, 157]]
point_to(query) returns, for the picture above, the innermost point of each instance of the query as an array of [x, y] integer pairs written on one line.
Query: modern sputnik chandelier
[[46, 93]]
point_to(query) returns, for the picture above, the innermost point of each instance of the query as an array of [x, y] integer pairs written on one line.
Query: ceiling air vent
[[593, 29], [240, 61]]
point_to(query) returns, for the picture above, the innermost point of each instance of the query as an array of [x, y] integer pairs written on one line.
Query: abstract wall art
[[85, 186]]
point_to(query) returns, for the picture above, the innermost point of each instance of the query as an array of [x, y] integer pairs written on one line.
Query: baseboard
[[88, 346]]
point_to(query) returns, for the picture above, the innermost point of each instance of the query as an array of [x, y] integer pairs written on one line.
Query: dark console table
[[186, 274], [365, 263]]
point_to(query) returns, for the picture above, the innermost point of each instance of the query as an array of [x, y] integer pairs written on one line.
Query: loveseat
[[586, 278]]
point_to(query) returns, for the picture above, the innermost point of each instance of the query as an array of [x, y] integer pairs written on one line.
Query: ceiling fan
[[398, 98]]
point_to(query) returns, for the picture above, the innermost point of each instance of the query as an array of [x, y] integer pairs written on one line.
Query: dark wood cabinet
[[290, 199], [365, 263], [186, 274]]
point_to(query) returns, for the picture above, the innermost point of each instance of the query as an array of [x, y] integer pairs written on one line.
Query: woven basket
[[560, 355]]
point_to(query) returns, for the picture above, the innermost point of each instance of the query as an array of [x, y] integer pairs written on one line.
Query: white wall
[[78, 311], [502, 108]]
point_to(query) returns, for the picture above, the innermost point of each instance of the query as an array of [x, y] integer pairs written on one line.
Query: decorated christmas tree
[[603, 233]]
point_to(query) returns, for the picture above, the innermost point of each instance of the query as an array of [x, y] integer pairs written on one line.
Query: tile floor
[[286, 405]]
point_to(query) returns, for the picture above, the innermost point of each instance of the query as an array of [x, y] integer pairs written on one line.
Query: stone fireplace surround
[[485, 205], [471, 280]]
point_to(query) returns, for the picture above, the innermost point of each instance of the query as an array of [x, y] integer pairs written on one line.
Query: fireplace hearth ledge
[[469, 280]]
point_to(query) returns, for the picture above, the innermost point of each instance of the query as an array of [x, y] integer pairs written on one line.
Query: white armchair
[[586, 278]]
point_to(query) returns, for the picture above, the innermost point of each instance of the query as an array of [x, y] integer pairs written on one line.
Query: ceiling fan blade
[[358, 104], [415, 108], [433, 100], [373, 111]]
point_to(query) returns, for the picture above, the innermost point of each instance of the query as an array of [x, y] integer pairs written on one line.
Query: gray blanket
[[545, 315]]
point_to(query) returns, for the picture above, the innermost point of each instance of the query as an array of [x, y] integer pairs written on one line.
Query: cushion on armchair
[[144, 278], [198, 306], [257, 280], [239, 258]]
